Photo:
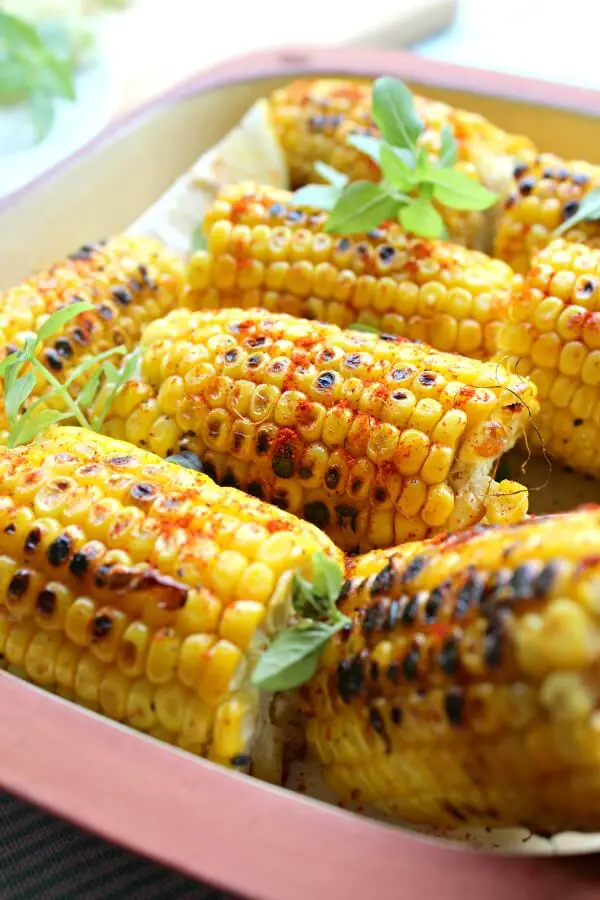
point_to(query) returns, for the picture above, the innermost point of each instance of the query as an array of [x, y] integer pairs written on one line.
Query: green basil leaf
[[327, 578], [421, 219], [448, 147], [367, 329], [394, 113], [14, 79], [41, 110], [331, 175], [90, 389], [396, 170], [457, 191], [362, 207], [293, 656], [588, 211], [29, 425], [317, 196], [17, 394], [367, 144], [129, 370], [18, 36], [55, 77], [199, 241], [60, 318]]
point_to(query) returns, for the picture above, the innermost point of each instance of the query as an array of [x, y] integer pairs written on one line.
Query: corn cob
[[130, 281], [264, 252], [553, 336], [142, 590], [547, 191], [465, 689], [378, 442], [314, 118]]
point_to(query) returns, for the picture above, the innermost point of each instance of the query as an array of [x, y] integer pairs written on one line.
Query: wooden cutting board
[[161, 43]]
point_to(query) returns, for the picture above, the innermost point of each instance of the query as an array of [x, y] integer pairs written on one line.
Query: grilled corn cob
[[547, 191], [314, 118], [553, 336], [130, 281], [143, 590], [378, 442], [466, 687], [264, 252]]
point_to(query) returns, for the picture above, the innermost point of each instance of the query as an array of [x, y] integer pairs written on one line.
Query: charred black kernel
[[280, 499], [255, 341], [214, 428], [449, 655], [410, 664], [188, 459], [346, 515], [427, 378], [295, 215], [237, 441], [327, 355], [374, 671], [380, 495], [143, 491], [372, 618], [376, 721], [254, 361], [498, 589], [587, 287], [526, 185], [343, 244], [120, 460], [414, 568], [386, 253], [32, 540], [209, 470], [80, 337], [254, 488], [46, 602], [469, 595], [569, 209], [121, 295], [349, 678], [362, 249], [454, 705], [410, 611], [432, 605], [105, 312], [317, 512], [59, 550], [63, 348], [240, 759], [277, 366], [352, 361], [231, 355], [580, 178], [101, 626], [520, 169], [396, 714], [577, 422], [399, 395], [19, 583], [325, 381], [375, 234], [262, 443], [384, 336], [356, 485], [283, 461], [85, 252], [549, 173], [10, 529], [544, 581], [561, 173], [492, 645], [454, 811], [521, 581], [79, 564], [345, 590], [332, 477], [229, 480], [135, 285], [393, 672], [345, 632], [383, 581], [276, 209], [305, 472], [401, 374], [53, 360], [393, 613]]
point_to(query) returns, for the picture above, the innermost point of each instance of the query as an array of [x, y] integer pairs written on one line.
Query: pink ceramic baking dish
[[223, 828]]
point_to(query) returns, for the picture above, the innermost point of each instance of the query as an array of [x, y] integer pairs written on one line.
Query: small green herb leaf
[[589, 211], [456, 190], [90, 389], [448, 147], [331, 175], [28, 426], [367, 329], [327, 578], [362, 207], [293, 656], [114, 379], [58, 319], [41, 111], [394, 113], [14, 81], [317, 196], [17, 394], [395, 169], [422, 219], [367, 144]]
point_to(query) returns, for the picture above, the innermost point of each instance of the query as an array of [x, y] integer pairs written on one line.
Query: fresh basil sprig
[[31, 70], [19, 372], [588, 211], [293, 656], [410, 180]]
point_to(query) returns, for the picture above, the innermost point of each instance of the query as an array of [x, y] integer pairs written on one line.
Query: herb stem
[[92, 361], [60, 389]]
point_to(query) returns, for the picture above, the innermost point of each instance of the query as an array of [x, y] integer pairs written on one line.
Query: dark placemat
[[44, 857]]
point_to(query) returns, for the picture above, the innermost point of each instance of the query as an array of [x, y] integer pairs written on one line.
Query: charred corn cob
[[466, 687], [130, 281], [265, 252], [547, 191], [553, 336], [314, 118], [377, 442], [143, 590]]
